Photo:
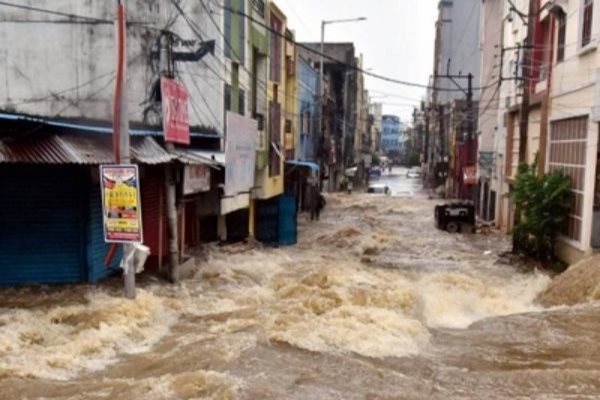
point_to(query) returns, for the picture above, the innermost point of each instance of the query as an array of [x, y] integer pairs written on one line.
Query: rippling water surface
[[373, 303]]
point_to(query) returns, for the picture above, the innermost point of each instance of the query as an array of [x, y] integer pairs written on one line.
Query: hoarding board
[[121, 210], [196, 179], [176, 121], [240, 154]]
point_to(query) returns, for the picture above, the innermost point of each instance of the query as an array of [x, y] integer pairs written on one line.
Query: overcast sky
[[396, 41]]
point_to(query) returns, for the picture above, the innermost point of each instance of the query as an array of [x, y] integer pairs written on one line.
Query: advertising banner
[[240, 154], [121, 211], [176, 122], [196, 179], [470, 175]]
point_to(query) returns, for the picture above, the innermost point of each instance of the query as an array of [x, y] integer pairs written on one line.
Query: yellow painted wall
[[269, 187]]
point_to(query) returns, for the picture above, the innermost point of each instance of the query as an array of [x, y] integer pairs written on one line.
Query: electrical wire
[[333, 59]]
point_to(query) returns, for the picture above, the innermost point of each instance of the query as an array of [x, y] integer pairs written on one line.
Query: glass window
[[588, 14], [562, 33]]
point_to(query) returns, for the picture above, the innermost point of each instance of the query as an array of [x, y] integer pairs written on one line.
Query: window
[[562, 33], [275, 140], [235, 30], [259, 7], [242, 102], [568, 144], [228, 26], [276, 54], [227, 97], [588, 14]]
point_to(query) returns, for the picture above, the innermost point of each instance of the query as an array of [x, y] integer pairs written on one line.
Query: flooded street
[[373, 303]]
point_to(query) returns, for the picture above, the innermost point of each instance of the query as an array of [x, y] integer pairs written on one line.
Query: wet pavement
[[373, 303]]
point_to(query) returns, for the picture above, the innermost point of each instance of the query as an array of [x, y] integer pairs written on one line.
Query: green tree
[[543, 204]]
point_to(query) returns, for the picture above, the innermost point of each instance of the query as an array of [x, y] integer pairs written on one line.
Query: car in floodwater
[[378, 189], [413, 173], [375, 172]]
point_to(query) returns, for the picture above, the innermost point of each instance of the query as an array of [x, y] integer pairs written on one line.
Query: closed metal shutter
[[43, 230], [97, 248], [154, 221]]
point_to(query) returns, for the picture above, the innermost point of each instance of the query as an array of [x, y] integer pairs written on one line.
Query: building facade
[[391, 136]]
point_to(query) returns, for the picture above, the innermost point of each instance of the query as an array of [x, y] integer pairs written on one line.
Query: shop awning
[[80, 148], [194, 156], [306, 164]]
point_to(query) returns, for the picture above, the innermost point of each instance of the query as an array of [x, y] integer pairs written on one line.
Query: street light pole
[[320, 85]]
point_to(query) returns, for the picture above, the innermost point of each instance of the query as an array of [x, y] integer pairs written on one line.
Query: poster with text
[[240, 154], [121, 211], [196, 179]]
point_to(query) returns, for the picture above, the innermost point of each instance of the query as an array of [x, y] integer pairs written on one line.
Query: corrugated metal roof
[[104, 128], [89, 149], [194, 156]]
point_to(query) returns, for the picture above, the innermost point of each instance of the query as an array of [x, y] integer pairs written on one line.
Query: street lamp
[[320, 82]]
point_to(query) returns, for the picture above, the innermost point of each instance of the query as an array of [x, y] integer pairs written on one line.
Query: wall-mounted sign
[[196, 179], [240, 154], [470, 175], [121, 210], [176, 121]]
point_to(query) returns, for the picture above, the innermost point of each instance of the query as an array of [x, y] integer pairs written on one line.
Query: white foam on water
[[61, 342], [454, 300]]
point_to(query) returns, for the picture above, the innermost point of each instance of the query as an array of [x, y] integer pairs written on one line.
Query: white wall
[[67, 70]]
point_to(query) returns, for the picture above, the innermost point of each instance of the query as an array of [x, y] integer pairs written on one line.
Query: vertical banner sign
[[121, 211], [240, 154], [176, 121]]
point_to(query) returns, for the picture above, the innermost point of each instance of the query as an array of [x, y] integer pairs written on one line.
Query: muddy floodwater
[[373, 303]]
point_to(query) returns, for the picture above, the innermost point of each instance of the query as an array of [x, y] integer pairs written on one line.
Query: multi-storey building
[[392, 135]]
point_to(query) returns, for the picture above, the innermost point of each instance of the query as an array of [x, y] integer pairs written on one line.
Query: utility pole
[[121, 133], [472, 142], [167, 68], [320, 104], [524, 113], [471, 137]]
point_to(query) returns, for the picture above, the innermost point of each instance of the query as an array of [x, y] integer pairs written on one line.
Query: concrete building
[[457, 52], [376, 126], [392, 136], [456, 58], [492, 11], [339, 125], [574, 116], [307, 117]]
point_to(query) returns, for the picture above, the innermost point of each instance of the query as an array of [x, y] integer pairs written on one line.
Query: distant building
[[391, 137], [307, 92]]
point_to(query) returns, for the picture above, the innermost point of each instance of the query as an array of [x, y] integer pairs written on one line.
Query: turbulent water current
[[373, 303]]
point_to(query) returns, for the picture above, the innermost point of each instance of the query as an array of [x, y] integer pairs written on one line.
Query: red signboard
[[176, 122], [470, 175]]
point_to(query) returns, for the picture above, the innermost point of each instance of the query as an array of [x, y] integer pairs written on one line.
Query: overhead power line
[[333, 59]]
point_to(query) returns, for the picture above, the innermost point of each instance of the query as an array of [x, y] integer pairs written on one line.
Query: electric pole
[[524, 114], [121, 133]]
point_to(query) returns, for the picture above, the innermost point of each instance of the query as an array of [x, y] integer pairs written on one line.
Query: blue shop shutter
[[97, 248], [42, 225], [288, 232], [276, 222]]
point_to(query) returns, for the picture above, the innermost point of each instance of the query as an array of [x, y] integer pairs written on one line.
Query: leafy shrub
[[542, 206]]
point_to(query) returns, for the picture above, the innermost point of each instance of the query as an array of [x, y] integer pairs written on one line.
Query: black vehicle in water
[[455, 217]]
